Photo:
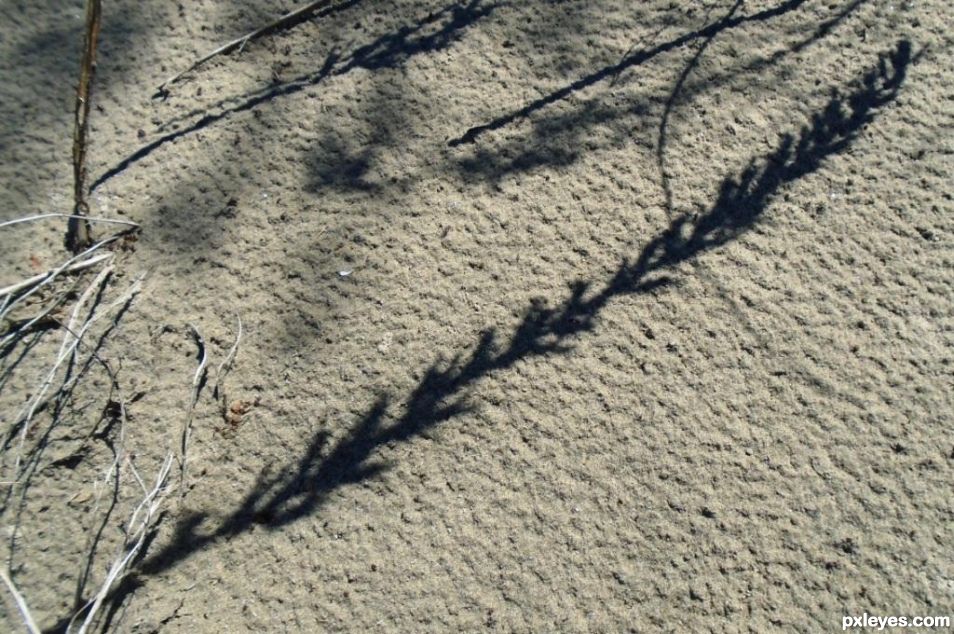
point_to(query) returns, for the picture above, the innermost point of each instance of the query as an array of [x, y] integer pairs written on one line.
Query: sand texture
[[566, 315]]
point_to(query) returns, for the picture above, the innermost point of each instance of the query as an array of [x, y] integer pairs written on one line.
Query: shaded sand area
[[557, 316]]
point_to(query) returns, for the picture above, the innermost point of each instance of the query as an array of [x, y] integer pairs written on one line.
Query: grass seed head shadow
[[444, 391]]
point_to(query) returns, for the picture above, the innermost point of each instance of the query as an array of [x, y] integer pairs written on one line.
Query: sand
[[557, 316]]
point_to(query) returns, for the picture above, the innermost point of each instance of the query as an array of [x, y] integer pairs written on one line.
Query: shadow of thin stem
[[609, 72], [555, 137], [670, 105], [288, 21], [388, 51], [758, 65]]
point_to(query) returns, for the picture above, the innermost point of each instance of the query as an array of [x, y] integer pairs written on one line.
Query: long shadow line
[[820, 32], [209, 119], [288, 23], [663, 136], [443, 393], [387, 51], [613, 70], [541, 151]]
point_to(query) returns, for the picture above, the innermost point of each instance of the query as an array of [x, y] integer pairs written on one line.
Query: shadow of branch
[[444, 391], [613, 70], [388, 51]]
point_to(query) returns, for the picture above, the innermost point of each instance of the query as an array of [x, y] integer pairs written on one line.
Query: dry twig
[[9, 302], [115, 221], [72, 338], [198, 380], [36, 279], [282, 22], [21, 604], [226, 364], [78, 230], [137, 529]]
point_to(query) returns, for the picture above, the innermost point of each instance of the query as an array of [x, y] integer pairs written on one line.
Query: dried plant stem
[[36, 279], [78, 229], [226, 364], [239, 43], [92, 536], [116, 221], [21, 604], [198, 379], [71, 340], [137, 530], [8, 304], [218, 391]]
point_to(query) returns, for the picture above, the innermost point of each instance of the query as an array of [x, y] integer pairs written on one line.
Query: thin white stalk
[[71, 339], [142, 485], [18, 331], [138, 527], [8, 306], [226, 364], [79, 266], [239, 43], [115, 221], [99, 488], [21, 604], [187, 423]]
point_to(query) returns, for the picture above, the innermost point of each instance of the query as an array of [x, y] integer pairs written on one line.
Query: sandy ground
[[558, 316]]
